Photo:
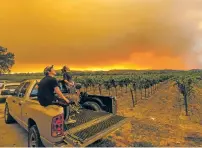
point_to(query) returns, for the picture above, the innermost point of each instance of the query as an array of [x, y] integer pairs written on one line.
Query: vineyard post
[[116, 91], [94, 88], [186, 104], [141, 93], [135, 96], [121, 90], [99, 87], [145, 90], [126, 89], [149, 92], [133, 101], [121, 85]]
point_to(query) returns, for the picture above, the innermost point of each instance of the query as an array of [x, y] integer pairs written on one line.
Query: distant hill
[[113, 71], [196, 70]]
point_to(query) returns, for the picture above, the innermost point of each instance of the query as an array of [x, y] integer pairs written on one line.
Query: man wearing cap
[[66, 76], [48, 86], [68, 79], [70, 84]]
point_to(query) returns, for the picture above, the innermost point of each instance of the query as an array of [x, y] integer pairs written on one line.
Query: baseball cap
[[47, 69]]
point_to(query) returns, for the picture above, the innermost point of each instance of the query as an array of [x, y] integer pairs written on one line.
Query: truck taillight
[[57, 127]]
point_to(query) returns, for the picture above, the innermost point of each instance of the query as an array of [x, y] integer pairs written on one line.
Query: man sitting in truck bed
[[47, 88]]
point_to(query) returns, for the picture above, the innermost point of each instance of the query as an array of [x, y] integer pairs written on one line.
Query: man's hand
[[67, 101], [69, 83], [72, 83]]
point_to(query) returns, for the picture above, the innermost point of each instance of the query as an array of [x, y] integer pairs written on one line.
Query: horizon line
[[111, 70]]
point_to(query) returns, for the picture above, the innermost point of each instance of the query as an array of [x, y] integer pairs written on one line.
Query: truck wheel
[[7, 116], [34, 137], [92, 106]]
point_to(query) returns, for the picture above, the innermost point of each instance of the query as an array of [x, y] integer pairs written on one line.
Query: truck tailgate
[[92, 126]]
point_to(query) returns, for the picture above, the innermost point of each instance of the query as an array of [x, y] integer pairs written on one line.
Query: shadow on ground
[[195, 139], [142, 144], [103, 143]]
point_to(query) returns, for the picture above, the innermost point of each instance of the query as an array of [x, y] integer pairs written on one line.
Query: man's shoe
[[70, 121]]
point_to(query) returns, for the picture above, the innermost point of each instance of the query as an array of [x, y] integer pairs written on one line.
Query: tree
[[6, 60]]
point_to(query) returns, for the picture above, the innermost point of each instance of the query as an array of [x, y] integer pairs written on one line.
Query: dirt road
[[12, 134]]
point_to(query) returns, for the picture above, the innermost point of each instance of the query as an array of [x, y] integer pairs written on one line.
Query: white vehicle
[[6, 89], [2, 83]]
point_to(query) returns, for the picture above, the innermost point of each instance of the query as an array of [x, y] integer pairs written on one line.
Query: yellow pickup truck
[[95, 118]]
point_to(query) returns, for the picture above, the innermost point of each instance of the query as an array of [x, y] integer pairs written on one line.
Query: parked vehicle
[[6, 89], [45, 125], [2, 82]]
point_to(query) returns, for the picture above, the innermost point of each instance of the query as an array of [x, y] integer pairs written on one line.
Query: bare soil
[[160, 120]]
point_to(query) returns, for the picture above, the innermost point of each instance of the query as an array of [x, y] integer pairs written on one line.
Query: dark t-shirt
[[67, 76], [46, 90]]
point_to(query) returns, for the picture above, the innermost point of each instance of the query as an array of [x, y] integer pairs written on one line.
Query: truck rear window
[[11, 86], [1, 85]]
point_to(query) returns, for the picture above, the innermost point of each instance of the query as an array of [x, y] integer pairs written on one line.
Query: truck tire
[[34, 139], [7, 116], [92, 106]]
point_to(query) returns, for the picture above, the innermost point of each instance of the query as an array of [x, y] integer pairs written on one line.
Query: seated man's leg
[[66, 110], [67, 118]]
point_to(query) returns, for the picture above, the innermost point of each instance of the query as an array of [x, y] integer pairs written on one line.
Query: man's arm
[[67, 78], [59, 93], [69, 83]]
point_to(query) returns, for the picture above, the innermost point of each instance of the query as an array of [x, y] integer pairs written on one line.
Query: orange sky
[[102, 34]]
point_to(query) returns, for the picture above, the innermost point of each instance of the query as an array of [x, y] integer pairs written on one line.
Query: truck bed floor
[[84, 116], [93, 130]]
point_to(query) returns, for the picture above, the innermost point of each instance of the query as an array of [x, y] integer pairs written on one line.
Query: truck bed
[[91, 126], [84, 116]]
